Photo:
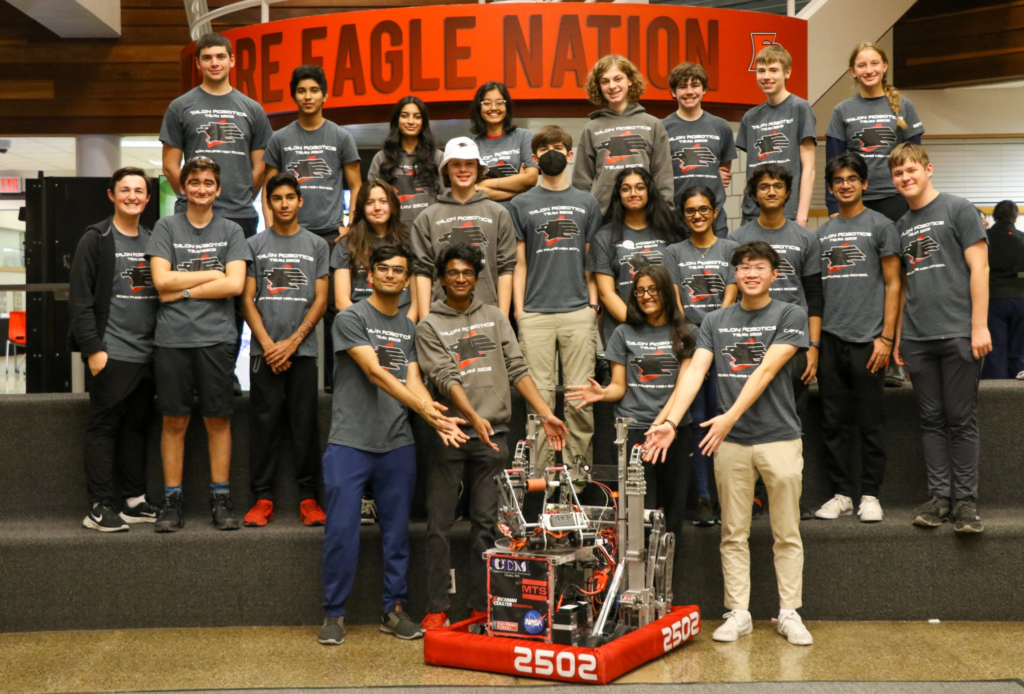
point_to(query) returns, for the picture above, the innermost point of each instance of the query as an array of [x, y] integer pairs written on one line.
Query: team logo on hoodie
[[283, 278], [745, 355], [305, 169], [391, 358], [556, 230], [201, 264], [408, 184], [655, 365], [220, 133], [704, 285], [472, 347], [920, 249], [640, 259], [696, 157], [469, 234], [842, 256], [878, 135], [622, 146], [139, 276]]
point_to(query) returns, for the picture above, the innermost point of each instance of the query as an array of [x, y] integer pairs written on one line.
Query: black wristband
[[672, 424]]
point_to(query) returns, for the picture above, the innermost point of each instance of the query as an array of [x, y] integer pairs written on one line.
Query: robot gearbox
[[575, 593]]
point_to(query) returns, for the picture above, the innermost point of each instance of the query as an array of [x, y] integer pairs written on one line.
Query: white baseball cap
[[462, 148]]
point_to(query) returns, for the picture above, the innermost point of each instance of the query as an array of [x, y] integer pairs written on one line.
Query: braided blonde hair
[[891, 93]]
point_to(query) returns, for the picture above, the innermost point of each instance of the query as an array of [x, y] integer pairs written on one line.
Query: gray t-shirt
[[133, 301], [362, 415], [739, 339], [799, 256], [286, 269], [638, 248], [361, 289], [506, 154], [556, 227], [414, 193], [868, 127], [933, 241], [651, 370], [226, 129], [701, 275], [851, 278], [317, 158], [197, 322], [698, 148], [772, 135]]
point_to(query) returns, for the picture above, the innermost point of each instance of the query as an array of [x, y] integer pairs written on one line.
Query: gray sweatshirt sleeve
[[515, 364], [584, 165], [661, 164], [422, 249], [436, 362], [506, 244]]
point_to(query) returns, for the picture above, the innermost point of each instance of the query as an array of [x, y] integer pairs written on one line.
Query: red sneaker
[[478, 614], [260, 514], [434, 620], [311, 513]]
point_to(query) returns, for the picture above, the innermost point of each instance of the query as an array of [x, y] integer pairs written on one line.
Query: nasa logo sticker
[[533, 622]]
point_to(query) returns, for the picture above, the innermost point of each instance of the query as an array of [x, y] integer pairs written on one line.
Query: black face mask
[[552, 162]]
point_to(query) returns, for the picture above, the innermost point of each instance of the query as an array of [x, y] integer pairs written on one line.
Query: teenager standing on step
[[505, 148], [113, 307], [285, 297], [861, 287], [944, 335], [1006, 307]]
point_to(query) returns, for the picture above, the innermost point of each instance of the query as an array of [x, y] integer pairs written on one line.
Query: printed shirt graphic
[[224, 128], [698, 148], [471, 348], [933, 241], [637, 249], [651, 370], [799, 256], [739, 340], [197, 322], [286, 269], [851, 278], [317, 158], [701, 280], [772, 135], [868, 127], [556, 227], [361, 289], [506, 154], [362, 415], [133, 301], [412, 189]]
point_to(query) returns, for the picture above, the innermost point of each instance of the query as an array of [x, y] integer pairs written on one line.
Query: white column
[[97, 155]]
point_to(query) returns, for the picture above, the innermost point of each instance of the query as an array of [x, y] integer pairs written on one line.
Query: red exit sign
[[10, 184]]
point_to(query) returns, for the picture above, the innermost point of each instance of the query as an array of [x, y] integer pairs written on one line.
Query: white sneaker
[[838, 505], [737, 623], [870, 510], [792, 627]]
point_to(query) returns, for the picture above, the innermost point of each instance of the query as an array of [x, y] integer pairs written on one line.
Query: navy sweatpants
[[391, 476]]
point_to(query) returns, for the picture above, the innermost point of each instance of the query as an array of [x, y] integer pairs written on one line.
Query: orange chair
[[15, 336]]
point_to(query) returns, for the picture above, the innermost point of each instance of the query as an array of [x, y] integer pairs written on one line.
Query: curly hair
[[636, 89]]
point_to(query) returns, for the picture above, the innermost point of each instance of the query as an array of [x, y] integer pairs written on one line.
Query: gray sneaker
[[966, 518], [332, 633], [932, 513], [399, 623]]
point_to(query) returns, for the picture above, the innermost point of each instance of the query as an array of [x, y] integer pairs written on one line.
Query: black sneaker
[[932, 513], [704, 515], [171, 517], [805, 513], [224, 517], [966, 518], [105, 519], [145, 512], [329, 389], [236, 387], [399, 623], [332, 633]]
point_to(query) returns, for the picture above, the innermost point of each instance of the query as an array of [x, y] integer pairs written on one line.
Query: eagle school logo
[[786, 268], [502, 169], [878, 135], [306, 169], [757, 42], [842, 256], [284, 277], [556, 230], [468, 233], [641, 259], [696, 157], [704, 285], [220, 133], [655, 365], [408, 184], [772, 143], [745, 355], [391, 358], [202, 263], [622, 146], [139, 276], [473, 347], [920, 249]]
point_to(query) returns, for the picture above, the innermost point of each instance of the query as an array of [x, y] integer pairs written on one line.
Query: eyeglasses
[[703, 211], [493, 104], [649, 291], [836, 182], [778, 187], [456, 274], [759, 269], [396, 270]]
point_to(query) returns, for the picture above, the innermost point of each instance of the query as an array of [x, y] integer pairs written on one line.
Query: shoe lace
[[368, 506]]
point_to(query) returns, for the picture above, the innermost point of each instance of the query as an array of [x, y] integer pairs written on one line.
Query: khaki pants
[[545, 338], [780, 465]]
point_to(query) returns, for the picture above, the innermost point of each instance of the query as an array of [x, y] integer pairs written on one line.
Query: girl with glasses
[[506, 149]]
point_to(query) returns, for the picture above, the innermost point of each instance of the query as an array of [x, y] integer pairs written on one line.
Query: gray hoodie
[[479, 222], [611, 142], [475, 349]]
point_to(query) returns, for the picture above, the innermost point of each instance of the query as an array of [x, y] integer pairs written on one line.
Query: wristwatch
[[596, 307], [185, 293], [815, 344]]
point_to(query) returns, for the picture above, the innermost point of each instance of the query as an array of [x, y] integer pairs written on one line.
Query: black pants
[[270, 395], [851, 400], [331, 237], [447, 469], [249, 227], [667, 483], [120, 404], [893, 207]]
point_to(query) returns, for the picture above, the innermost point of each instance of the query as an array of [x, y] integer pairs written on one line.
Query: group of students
[[710, 335]]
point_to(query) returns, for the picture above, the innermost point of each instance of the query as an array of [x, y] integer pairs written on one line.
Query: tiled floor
[[163, 659]]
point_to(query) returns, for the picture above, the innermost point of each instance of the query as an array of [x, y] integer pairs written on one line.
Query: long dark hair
[[692, 192], [425, 146], [478, 126], [682, 339], [659, 216], [361, 238]]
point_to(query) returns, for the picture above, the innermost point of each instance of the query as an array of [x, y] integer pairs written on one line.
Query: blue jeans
[[391, 476], [1006, 323], [704, 407]]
